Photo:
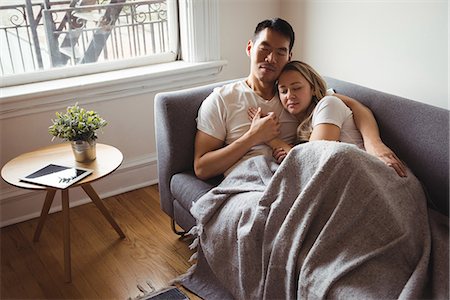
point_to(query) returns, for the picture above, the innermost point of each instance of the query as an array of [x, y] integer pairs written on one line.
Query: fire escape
[[41, 34], [83, 32]]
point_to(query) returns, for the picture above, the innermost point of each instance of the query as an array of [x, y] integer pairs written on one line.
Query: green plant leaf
[[76, 124]]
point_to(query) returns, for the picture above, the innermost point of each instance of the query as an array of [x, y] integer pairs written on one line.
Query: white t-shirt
[[332, 110], [223, 115]]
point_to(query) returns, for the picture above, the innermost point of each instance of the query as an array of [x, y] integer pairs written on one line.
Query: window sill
[[41, 96]]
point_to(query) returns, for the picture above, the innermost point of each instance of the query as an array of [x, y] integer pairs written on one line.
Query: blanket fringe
[[193, 257], [179, 279], [195, 231], [194, 243], [144, 291]]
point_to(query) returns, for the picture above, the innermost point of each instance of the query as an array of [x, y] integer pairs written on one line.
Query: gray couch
[[418, 133]]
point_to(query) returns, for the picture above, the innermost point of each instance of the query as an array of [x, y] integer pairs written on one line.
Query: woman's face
[[295, 92]]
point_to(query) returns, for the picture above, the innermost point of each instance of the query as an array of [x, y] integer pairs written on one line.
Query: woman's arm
[[329, 132], [325, 131], [367, 125]]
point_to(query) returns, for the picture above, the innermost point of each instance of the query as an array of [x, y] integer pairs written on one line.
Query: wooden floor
[[103, 265]]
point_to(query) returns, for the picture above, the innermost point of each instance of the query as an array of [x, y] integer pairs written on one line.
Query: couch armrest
[[175, 125]]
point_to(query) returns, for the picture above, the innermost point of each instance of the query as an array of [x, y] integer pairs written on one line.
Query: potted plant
[[78, 126]]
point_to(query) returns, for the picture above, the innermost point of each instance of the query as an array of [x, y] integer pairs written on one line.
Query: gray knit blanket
[[330, 222]]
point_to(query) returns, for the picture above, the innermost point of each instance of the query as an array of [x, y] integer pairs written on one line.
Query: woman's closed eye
[[285, 90]]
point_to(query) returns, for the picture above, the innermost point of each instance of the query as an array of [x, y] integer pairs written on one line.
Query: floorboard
[[103, 265]]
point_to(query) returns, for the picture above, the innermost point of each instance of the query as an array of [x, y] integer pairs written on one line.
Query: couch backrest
[[418, 133]]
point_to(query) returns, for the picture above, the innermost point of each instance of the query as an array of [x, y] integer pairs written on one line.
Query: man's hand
[[384, 153], [264, 129], [212, 157]]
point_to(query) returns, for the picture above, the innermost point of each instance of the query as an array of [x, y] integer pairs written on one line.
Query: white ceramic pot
[[84, 151]]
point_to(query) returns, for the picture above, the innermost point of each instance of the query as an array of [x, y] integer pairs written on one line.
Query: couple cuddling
[[323, 224], [280, 104]]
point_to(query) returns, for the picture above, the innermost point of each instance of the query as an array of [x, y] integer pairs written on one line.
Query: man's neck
[[264, 89]]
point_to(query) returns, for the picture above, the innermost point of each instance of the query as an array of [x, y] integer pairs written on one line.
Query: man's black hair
[[279, 25]]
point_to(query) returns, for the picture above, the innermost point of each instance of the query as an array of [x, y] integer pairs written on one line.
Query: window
[[198, 61], [48, 39]]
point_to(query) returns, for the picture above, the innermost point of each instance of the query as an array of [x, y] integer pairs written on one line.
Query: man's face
[[268, 55]]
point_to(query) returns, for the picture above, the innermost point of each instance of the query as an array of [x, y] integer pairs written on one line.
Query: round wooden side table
[[108, 159]]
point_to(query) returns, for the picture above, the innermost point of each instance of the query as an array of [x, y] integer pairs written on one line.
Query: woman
[[303, 93]]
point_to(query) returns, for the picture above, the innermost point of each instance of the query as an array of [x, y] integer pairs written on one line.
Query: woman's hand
[[386, 155], [279, 149], [279, 154], [251, 112]]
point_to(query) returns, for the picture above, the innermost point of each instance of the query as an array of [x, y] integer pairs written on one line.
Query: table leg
[[45, 208], [66, 235], [98, 202]]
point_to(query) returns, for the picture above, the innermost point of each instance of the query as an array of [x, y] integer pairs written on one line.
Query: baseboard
[[18, 205]]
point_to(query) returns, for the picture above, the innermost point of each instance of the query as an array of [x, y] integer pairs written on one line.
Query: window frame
[[100, 67]]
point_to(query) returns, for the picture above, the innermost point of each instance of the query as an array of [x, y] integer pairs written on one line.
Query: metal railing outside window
[[43, 34]]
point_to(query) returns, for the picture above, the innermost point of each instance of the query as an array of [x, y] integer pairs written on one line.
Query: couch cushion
[[182, 216], [187, 188]]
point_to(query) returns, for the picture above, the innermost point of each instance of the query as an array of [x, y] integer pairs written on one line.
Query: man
[[226, 135]]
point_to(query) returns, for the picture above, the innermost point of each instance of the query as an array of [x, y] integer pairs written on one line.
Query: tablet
[[57, 176]]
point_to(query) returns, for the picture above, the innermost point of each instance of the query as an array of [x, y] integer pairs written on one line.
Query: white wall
[[397, 46], [238, 20]]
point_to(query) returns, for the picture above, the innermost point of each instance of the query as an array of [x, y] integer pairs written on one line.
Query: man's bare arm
[[367, 125], [212, 158]]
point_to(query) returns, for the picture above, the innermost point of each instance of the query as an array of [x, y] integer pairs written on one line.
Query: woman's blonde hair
[[319, 87]]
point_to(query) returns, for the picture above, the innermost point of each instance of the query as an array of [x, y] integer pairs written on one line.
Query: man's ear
[[249, 47]]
